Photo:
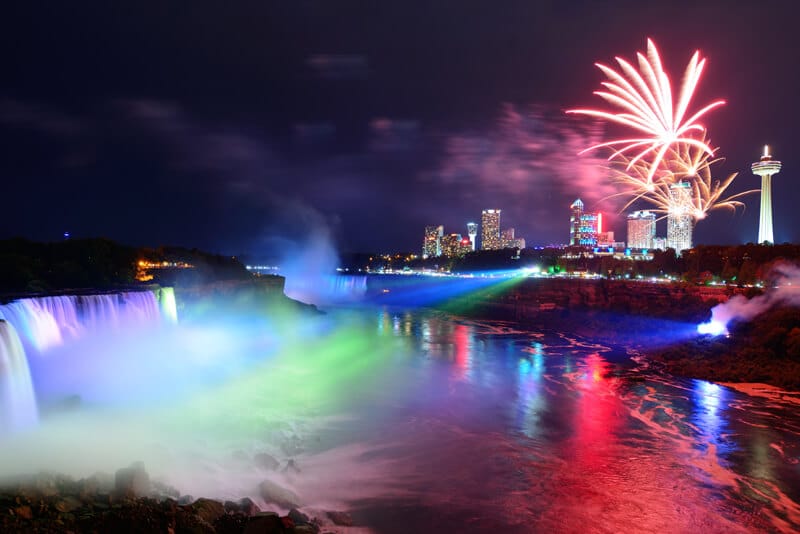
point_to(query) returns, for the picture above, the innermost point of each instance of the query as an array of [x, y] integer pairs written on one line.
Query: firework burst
[[645, 104], [683, 163]]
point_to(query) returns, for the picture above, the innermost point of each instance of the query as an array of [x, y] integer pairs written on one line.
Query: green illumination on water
[[308, 378], [466, 303], [166, 301]]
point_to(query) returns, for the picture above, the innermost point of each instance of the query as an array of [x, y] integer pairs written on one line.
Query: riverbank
[[765, 350], [129, 502]]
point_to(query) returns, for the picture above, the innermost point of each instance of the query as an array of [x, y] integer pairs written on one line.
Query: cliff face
[[532, 296], [263, 295]]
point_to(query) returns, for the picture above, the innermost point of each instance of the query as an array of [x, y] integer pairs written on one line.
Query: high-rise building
[[576, 210], [453, 246], [659, 243], [605, 239], [508, 239], [765, 168], [432, 246], [472, 232], [679, 217], [583, 226], [490, 230], [641, 229]]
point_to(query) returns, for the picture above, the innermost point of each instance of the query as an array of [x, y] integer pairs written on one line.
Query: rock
[[231, 524], [232, 507], [264, 523], [341, 519], [248, 507], [191, 524], [273, 493], [298, 517], [132, 481], [24, 512], [185, 499], [208, 510], [306, 529], [68, 504], [263, 460]]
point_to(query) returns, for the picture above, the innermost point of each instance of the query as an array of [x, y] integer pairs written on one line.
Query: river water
[[418, 421], [494, 429]]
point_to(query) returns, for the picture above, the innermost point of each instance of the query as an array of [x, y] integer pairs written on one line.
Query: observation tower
[[472, 232], [765, 168]]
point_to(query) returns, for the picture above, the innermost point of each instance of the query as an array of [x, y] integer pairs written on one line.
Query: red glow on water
[[596, 416], [461, 344]]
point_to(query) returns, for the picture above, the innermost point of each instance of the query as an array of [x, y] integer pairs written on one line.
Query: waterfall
[[17, 401], [167, 304], [31, 327], [33, 322]]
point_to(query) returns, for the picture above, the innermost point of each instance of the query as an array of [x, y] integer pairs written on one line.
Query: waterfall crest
[[30, 327]]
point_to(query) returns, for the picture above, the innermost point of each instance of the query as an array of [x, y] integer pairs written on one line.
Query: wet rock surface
[[50, 503]]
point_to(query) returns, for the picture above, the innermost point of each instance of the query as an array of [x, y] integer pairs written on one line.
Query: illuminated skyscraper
[[432, 246], [641, 229], [679, 218], [583, 227], [453, 246], [765, 168], [472, 232], [490, 230]]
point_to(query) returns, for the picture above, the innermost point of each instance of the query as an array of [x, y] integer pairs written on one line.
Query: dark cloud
[[339, 66]]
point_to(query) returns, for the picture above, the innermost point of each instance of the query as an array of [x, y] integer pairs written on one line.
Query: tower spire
[[766, 168]]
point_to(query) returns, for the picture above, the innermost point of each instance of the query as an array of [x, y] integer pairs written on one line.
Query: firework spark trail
[[647, 106], [682, 163]]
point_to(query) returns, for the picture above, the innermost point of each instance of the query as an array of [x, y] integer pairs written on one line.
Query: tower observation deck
[[765, 168]]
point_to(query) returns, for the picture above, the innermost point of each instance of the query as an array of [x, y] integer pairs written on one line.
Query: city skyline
[[307, 122]]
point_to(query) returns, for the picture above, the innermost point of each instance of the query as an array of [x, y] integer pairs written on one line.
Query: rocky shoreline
[[765, 350], [129, 502]]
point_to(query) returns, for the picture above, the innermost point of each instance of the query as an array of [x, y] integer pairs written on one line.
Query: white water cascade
[[31, 327], [17, 401]]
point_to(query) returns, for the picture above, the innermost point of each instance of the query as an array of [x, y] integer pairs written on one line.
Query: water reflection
[[708, 417], [530, 398], [596, 413], [541, 432]]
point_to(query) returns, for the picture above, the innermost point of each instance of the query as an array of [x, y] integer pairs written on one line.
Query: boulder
[[264, 523], [68, 504], [298, 517], [273, 493], [24, 512], [208, 510], [232, 507], [342, 519], [132, 481], [248, 507]]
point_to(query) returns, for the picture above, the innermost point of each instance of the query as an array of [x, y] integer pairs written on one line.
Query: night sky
[[247, 128]]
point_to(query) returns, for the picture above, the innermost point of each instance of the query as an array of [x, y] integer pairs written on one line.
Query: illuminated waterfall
[[166, 302], [17, 400], [31, 328]]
